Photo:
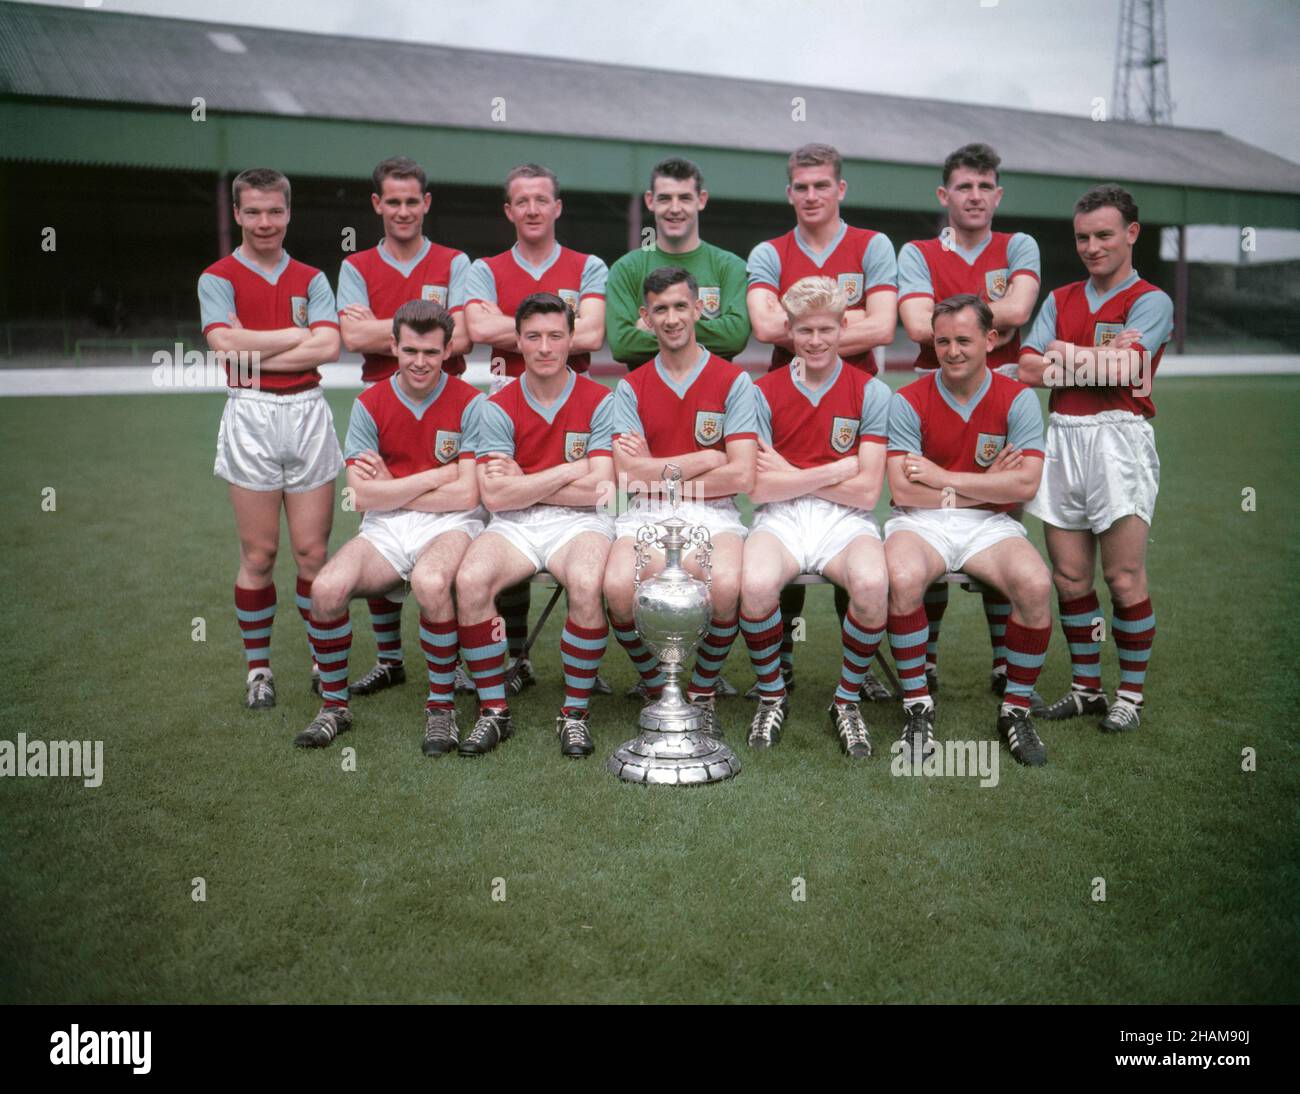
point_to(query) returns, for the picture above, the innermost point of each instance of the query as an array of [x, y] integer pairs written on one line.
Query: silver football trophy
[[671, 611]]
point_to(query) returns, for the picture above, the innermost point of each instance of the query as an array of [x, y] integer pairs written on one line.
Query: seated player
[[822, 428], [965, 448], [688, 407], [1099, 493], [410, 458], [546, 474]]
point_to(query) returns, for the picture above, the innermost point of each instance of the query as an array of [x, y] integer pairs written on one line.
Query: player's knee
[[431, 587], [1032, 585], [258, 561], [1126, 583], [725, 592], [310, 559], [329, 595], [1070, 586], [870, 588], [906, 581], [758, 592]]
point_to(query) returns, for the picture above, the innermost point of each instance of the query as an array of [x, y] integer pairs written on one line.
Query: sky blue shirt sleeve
[[1025, 422], [480, 284], [764, 267], [1153, 314], [1044, 328], [495, 431], [913, 273], [1022, 254], [320, 302], [458, 278], [762, 416], [876, 397], [352, 287], [216, 300], [469, 425], [602, 426], [627, 416], [742, 416], [879, 266], [904, 426], [363, 434], [594, 275]]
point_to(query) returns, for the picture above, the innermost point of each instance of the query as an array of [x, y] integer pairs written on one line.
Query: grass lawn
[[329, 885]]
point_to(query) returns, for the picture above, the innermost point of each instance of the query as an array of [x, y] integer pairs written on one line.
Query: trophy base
[[677, 757]]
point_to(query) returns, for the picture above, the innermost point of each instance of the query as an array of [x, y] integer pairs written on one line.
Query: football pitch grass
[[330, 885]]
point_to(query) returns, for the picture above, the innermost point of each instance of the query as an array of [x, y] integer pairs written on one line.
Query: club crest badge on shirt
[[708, 426], [995, 284], [987, 447], [851, 284], [1103, 334], [570, 297], [711, 299], [446, 446], [844, 431], [575, 446], [436, 293], [299, 306]]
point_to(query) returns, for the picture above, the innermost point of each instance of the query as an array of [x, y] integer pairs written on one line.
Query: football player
[[410, 456], [546, 473], [691, 408], [536, 263], [373, 284], [862, 261], [822, 429], [965, 448], [1099, 492], [276, 446], [1001, 268]]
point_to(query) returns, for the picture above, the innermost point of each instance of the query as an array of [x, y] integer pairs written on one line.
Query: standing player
[[693, 409], [546, 473], [965, 448], [821, 461], [1102, 468], [276, 445], [497, 286], [862, 261], [1001, 268], [373, 284], [410, 462], [676, 198]]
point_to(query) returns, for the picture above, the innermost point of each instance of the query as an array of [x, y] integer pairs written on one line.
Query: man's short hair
[[665, 277], [814, 155], [398, 167], [978, 157], [259, 178], [1108, 195], [423, 317], [961, 302], [532, 171], [676, 168], [542, 303], [814, 294]]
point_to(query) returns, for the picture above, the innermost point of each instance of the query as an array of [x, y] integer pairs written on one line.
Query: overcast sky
[[1232, 65]]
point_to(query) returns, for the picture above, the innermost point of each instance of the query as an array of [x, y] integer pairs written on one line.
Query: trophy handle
[[703, 552], [646, 537]]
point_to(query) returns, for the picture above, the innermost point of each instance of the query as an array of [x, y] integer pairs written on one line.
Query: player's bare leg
[[1074, 564], [1133, 622], [913, 566], [580, 567], [357, 570], [860, 570], [257, 520], [1014, 568], [491, 564], [432, 578], [310, 516], [767, 569]]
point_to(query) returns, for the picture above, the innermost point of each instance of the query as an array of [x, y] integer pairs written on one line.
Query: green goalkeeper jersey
[[724, 326]]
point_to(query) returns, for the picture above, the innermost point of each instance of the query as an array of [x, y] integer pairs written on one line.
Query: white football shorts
[[277, 442], [718, 515], [957, 534], [1097, 469], [401, 535], [539, 531], [813, 529]]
